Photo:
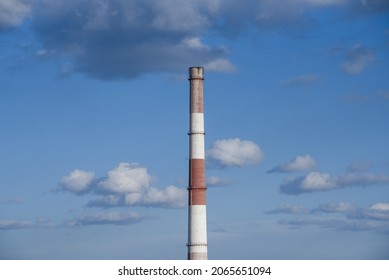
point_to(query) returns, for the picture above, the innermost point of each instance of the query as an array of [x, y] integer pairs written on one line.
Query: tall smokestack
[[197, 236]]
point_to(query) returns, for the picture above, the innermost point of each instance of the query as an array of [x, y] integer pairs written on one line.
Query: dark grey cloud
[[368, 7], [12, 13], [121, 39], [125, 39]]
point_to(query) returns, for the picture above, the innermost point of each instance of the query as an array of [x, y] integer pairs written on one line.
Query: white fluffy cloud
[[77, 181], [125, 185], [298, 163], [316, 181], [170, 196], [126, 178], [234, 152]]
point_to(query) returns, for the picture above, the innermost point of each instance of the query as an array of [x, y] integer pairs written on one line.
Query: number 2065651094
[[241, 271]]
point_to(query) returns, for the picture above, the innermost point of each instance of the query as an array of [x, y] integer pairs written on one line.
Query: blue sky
[[94, 114]]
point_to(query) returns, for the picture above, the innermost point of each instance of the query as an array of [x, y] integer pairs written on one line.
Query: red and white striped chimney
[[197, 239]]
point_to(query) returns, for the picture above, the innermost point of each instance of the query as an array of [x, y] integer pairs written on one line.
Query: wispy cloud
[[106, 218], [217, 181], [357, 59], [360, 166], [299, 163], [125, 185], [316, 182], [289, 209], [15, 200], [234, 152], [303, 80], [339, 224], [339, 216], [14, 225]]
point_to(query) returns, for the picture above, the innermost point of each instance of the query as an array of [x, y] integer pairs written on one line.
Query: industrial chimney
[[197, 235]]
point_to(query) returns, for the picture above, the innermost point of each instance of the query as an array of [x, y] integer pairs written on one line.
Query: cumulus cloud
[[77, 181], [125, 185], [126, 178], [234, 152], [13, 12], [298, 163], [316, 181], [170, 196], [357, 59], [106, 218]]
